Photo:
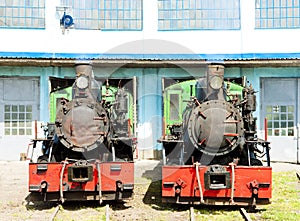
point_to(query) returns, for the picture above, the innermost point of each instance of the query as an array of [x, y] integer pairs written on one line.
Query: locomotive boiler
[[211, 151], [88, 151]]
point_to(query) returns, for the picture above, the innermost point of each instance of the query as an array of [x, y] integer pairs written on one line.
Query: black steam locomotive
[[211, 152], [88, 152]]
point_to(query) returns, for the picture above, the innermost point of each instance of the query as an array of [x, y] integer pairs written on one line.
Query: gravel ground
[[145, 205], [282, 167]]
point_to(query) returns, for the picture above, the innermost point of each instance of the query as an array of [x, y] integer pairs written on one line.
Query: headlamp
[[216, 82], [82, 82]]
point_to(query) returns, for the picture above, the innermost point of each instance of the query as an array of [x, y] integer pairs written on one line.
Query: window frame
[[118, 15], [280, 14], [195, 9], [16, 12]]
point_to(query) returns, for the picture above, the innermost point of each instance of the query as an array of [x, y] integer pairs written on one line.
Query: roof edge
[[116, 56], [160, 60]]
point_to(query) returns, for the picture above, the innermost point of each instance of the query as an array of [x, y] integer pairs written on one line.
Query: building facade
[[146, 41]]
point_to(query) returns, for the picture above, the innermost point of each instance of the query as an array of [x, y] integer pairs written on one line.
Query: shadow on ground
[[74, 205], [153, 194]]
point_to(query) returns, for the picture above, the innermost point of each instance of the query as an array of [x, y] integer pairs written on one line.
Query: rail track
[[192, 215], [243, 212], [59, 206]]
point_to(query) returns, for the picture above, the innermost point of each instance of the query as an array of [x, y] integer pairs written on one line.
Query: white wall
[[246, 40]]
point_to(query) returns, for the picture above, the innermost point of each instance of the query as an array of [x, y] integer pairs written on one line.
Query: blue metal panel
[[44, 97], [149, 109]]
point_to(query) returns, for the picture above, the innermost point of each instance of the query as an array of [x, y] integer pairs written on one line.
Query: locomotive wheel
[[215, 127]]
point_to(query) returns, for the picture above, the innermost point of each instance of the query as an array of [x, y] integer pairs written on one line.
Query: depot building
[[143, 43]]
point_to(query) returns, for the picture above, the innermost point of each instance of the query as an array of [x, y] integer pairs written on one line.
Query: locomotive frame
[[88, 151], [210, 146]]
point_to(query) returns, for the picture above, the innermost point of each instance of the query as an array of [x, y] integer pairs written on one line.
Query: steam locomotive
[[211, 152], [87, 154]]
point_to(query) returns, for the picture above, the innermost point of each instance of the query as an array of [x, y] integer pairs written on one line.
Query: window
[[277, 14], [198, 14], [280, 120], [22, 13], [106, 14], [18, 119], [174, 107]]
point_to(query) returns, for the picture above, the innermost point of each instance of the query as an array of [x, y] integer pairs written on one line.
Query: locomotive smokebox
[[215, 82]]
